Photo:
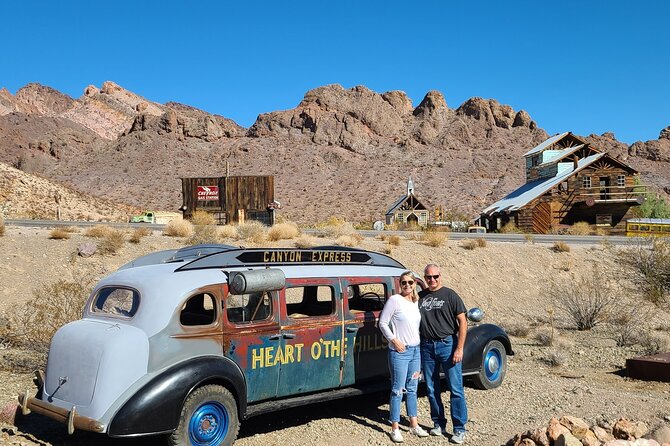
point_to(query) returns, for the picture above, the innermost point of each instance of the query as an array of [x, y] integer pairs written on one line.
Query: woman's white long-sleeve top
[[400, 319]]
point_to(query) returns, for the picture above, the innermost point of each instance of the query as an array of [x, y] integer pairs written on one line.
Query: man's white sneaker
[[418, 431], [396, 436], [458, 437], [436, 431]]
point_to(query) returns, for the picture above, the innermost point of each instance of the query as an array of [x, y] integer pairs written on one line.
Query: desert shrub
[[202, 218], [252, 231], [70, 229], [544, 337], [587, 301], [350, 240], [650, 268], [393, 240], [227, 231], [283, 231], [2, 227], [387, 249], [203, 234], [579, 228], [112, 242], [138, 234], [58, 234], [652, 343], [469, 244], [626, 324], [557, 358], [561, 247], [305, 241], [34, 324], [516, 329], [529, 238], [435, 239], [98, 231], [510, 228], [178, 228], [338, 230]]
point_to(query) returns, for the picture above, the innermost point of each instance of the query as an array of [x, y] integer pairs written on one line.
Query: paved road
[[494, 237]]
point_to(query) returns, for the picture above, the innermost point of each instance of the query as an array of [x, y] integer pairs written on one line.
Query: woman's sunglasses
[[406, 282]]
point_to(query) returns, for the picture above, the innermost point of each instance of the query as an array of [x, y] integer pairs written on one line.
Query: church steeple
[[410, 186]]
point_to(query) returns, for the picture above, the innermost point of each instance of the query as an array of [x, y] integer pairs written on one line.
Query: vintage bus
[[637, 227]]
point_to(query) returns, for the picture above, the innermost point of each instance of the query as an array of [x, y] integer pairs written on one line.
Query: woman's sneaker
[[396, 436], [458, 437], [418, 431]]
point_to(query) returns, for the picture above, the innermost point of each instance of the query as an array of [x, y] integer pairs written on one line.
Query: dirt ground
[[512, 282]]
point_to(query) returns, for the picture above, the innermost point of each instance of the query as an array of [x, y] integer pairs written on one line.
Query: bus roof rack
[[322, 255]]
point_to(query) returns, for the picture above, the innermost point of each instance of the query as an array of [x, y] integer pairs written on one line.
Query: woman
[[399, 323]]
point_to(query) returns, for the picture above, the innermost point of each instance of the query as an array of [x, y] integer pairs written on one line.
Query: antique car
[[189, 342]]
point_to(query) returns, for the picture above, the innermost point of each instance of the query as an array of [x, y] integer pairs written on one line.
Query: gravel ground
[[508, 280]]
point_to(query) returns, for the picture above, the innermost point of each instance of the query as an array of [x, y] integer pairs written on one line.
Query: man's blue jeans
[[436, 355], [405, 369]]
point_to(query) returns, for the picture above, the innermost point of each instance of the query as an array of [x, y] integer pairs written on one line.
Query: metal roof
[[545, 144], [530, 191], [562, 154], [650, 221]]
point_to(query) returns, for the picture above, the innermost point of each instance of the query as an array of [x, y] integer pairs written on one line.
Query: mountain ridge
[[345, 152]]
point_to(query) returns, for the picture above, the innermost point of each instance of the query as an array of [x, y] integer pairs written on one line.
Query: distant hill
[[345, 152]]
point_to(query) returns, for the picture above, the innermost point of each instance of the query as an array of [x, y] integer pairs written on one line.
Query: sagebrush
[[649, 263], [586, 301]]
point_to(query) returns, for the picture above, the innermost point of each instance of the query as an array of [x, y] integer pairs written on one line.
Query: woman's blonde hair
[[415, 295]]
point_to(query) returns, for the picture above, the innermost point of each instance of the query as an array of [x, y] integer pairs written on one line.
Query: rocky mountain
[[345, 152]]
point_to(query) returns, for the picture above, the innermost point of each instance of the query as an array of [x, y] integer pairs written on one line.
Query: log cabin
[[568, 181]]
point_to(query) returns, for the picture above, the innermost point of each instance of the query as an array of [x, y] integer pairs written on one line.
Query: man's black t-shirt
[[439, 309]]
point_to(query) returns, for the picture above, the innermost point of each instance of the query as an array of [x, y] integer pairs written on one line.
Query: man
[[443, 330]]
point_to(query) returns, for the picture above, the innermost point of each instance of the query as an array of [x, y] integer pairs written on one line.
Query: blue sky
[[581, 66]]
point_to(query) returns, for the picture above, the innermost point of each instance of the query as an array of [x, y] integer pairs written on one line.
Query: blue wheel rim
[[493, 364], [208, 425]]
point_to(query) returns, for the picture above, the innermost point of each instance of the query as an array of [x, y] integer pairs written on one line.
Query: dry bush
[[203, 234], [626, 324], [252, 232], [545, 337], [561, 247], [516, 329], [586, 301], [305, 241], [178, 228], [227, 232], [510, 228], [652, 343], [556, 358], [112, 242], [579, 228], [469, 244], [138, 234], [98, 231], [202, 218], [70, 229], [387, 249], [349, 240], [59, 234], [650, 268], [393, 240], [2, 227], [435, 239], [481, 242], [283, 231], [529, 238], [34, 323]]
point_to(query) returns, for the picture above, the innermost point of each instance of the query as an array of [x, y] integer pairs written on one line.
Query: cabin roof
[[562, 154], [530, 191], [539, 148]]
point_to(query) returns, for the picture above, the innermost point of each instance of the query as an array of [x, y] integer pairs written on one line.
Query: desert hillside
[[340, 151]]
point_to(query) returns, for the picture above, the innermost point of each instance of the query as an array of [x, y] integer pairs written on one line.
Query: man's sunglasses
[[434, 277], [406, 282]]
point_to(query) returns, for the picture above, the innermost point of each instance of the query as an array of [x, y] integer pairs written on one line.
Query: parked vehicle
[[477, 230], [156, 217], [189, 342], [636, 227]]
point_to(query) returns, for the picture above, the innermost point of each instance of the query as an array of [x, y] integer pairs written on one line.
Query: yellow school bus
[[636, 227]]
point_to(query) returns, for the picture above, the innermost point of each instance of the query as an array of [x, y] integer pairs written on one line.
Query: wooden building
[[231, 199], [408, 209], [568, 181]]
